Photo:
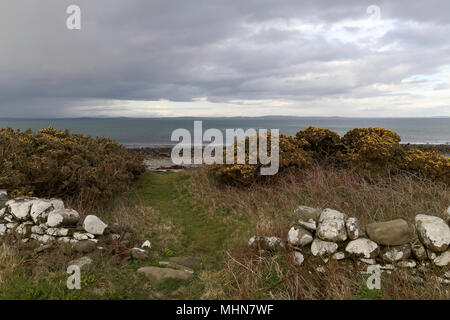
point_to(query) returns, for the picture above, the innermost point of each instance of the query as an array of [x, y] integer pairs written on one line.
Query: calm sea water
[[157, 132]]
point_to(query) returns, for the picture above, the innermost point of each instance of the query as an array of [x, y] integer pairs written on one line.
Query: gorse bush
[[290, 155], [323, 143], [371, 151], [52, 163]]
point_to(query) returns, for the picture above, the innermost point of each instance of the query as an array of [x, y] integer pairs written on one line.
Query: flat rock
[[407, 264], [443, 259], [353, 228], [323, 248], [362, 247], [396, 253], [190, 262], [331, 226], [298, 236], [433, 232], [94, 225], [157, 275], [390, 233], [176, 266]]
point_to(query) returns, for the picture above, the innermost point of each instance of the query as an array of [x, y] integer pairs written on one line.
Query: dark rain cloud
[[222, 50]]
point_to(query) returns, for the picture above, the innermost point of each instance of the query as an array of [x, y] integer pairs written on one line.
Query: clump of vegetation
[[52, 163], [371, 149], [429, 164], [323, 143], [290, 155]]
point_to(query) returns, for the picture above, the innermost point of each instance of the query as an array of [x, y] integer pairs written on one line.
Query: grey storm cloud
[[222, 50]]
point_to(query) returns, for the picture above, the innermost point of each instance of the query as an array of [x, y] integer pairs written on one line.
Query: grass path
[[204, 233]]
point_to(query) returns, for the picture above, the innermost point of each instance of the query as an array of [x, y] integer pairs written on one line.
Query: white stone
[[297, 236], [115, 237], [62, 218], [443, 259], [9, 218], [363, 248], [146, 244], [396, 253], [433, 232], [353, 228], [38, 230], [321, 248], [407, 264], [40, 210], [12, 225], [64, 239], [80, 236], [20, 209], [298, 258], [332, 226], [2, 212], [57, 232], [339, 255], [93, 240], [368, 261], [274, 242], [44, 239], [3, 229], [58, 204], [431, 255], [94, 225], [23, 229]]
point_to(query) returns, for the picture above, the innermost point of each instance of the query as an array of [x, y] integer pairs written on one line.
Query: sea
[[157, 132]]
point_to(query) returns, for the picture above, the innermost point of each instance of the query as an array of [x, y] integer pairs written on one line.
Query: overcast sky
[[148, 58]]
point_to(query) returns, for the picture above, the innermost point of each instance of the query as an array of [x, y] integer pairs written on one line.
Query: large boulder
[[62, 218], [433, 232], [157, 275], [332, 226], [390, 233], [307, 217], [323, 248], [298, 236], [19, 208], [40, 209], [94, 225], [362, 247]]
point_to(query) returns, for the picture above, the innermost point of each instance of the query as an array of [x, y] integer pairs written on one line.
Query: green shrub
[[53, 163]]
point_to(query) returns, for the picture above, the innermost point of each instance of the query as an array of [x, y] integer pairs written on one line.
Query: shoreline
[[158, 159]]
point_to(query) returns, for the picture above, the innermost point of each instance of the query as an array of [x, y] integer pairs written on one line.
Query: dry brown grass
[[250, 274]]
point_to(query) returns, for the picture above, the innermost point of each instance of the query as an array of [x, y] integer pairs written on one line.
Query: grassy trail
[[204, 232]]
